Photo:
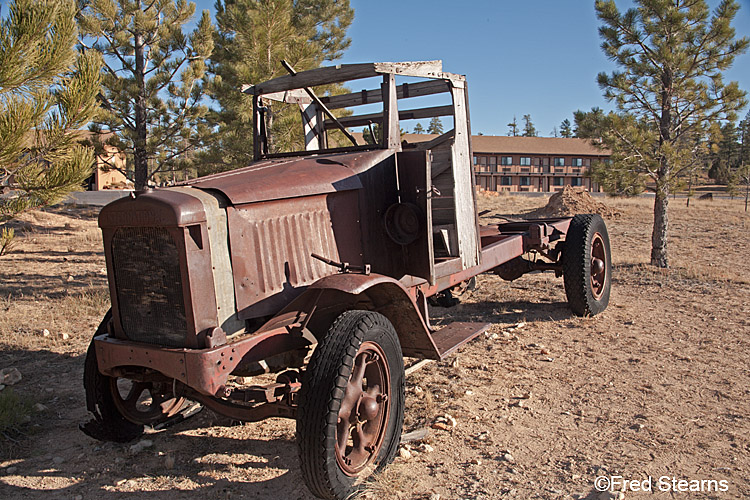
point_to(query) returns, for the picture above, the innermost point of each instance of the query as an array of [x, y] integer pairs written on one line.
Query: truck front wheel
[[108, 423], [587, 265], [351, 406]]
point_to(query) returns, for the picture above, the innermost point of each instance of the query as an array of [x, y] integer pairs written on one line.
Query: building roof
[[535, 145], [500, 144]]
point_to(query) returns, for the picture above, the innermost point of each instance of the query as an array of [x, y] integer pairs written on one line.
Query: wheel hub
[[598, 266], [364, 410], [144, 402]]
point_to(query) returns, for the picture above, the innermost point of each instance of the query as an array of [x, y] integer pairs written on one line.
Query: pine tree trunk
[[661, 222], [140, 156]]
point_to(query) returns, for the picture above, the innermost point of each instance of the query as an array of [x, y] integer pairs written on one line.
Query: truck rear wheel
[[351, 406], [587, 265]]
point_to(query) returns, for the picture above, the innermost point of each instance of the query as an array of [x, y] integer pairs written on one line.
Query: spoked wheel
[[587, 265], [144, 402], [109, 423], [351, 406], [121, 407]]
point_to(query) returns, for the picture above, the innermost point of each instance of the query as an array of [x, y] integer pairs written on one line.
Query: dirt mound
[[571, 201]]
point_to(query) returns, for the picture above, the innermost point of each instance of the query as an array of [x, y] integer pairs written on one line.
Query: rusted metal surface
[[450, 338], [205, 370], [272, 242], [276, 179]]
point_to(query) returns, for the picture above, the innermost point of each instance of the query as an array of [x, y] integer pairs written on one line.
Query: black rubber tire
[[576, 261], [108, 423], [323, 385]]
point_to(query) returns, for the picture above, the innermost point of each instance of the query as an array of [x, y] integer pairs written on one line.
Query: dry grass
[[391, 483]]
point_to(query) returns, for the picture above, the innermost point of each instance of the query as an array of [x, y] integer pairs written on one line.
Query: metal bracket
[[344, 267]]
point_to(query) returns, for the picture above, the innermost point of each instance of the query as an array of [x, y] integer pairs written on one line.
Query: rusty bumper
[[204, 370]]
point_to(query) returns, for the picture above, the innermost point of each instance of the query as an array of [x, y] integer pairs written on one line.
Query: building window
[[558, 181], [577, 162], [525, 161], [506, 160], [506, 181], [576, 181], [524, 181], [493, 163], [476, 159], [559, 162]]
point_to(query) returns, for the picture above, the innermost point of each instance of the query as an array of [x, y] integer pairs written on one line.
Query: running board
[[449, 338]]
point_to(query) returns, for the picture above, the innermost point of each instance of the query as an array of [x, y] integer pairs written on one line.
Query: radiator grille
[[149, 286]]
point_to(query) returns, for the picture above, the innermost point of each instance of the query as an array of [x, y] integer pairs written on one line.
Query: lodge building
[[534, 164]]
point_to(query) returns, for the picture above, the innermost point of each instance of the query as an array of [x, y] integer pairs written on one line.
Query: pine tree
[[671, 55], [528, 127], [153, 79], [47, 92], [590, 124], [566, 130], [252, 38], [435, 126], [368, 137], [513, 127], [418, 128]]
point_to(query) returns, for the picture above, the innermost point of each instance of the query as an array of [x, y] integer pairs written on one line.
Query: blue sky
[[537, 57]]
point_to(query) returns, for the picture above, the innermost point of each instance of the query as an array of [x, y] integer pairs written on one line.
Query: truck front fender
[[328, 297]]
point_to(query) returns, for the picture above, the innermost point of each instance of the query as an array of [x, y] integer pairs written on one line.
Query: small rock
[[103, 270], [10, 376], [483, 436], [65, 336], [544, 351], [58, 460], [141, 445], [427, 448], [40, 407], [475, 461], [11, 470], [70, 278], [548, 360], [45, 333], [404, 453], [493, 336], [469, 392], [441, 425], [417, 389], [637, 427], [507, 457], [2, 387], [435, 496]]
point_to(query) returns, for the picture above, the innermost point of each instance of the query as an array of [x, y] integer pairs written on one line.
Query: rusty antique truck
[[311, 271]]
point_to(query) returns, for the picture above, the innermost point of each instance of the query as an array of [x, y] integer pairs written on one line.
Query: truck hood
[[292, 177]]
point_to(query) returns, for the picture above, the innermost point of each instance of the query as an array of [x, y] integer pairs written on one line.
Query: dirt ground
[[657, 385]]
